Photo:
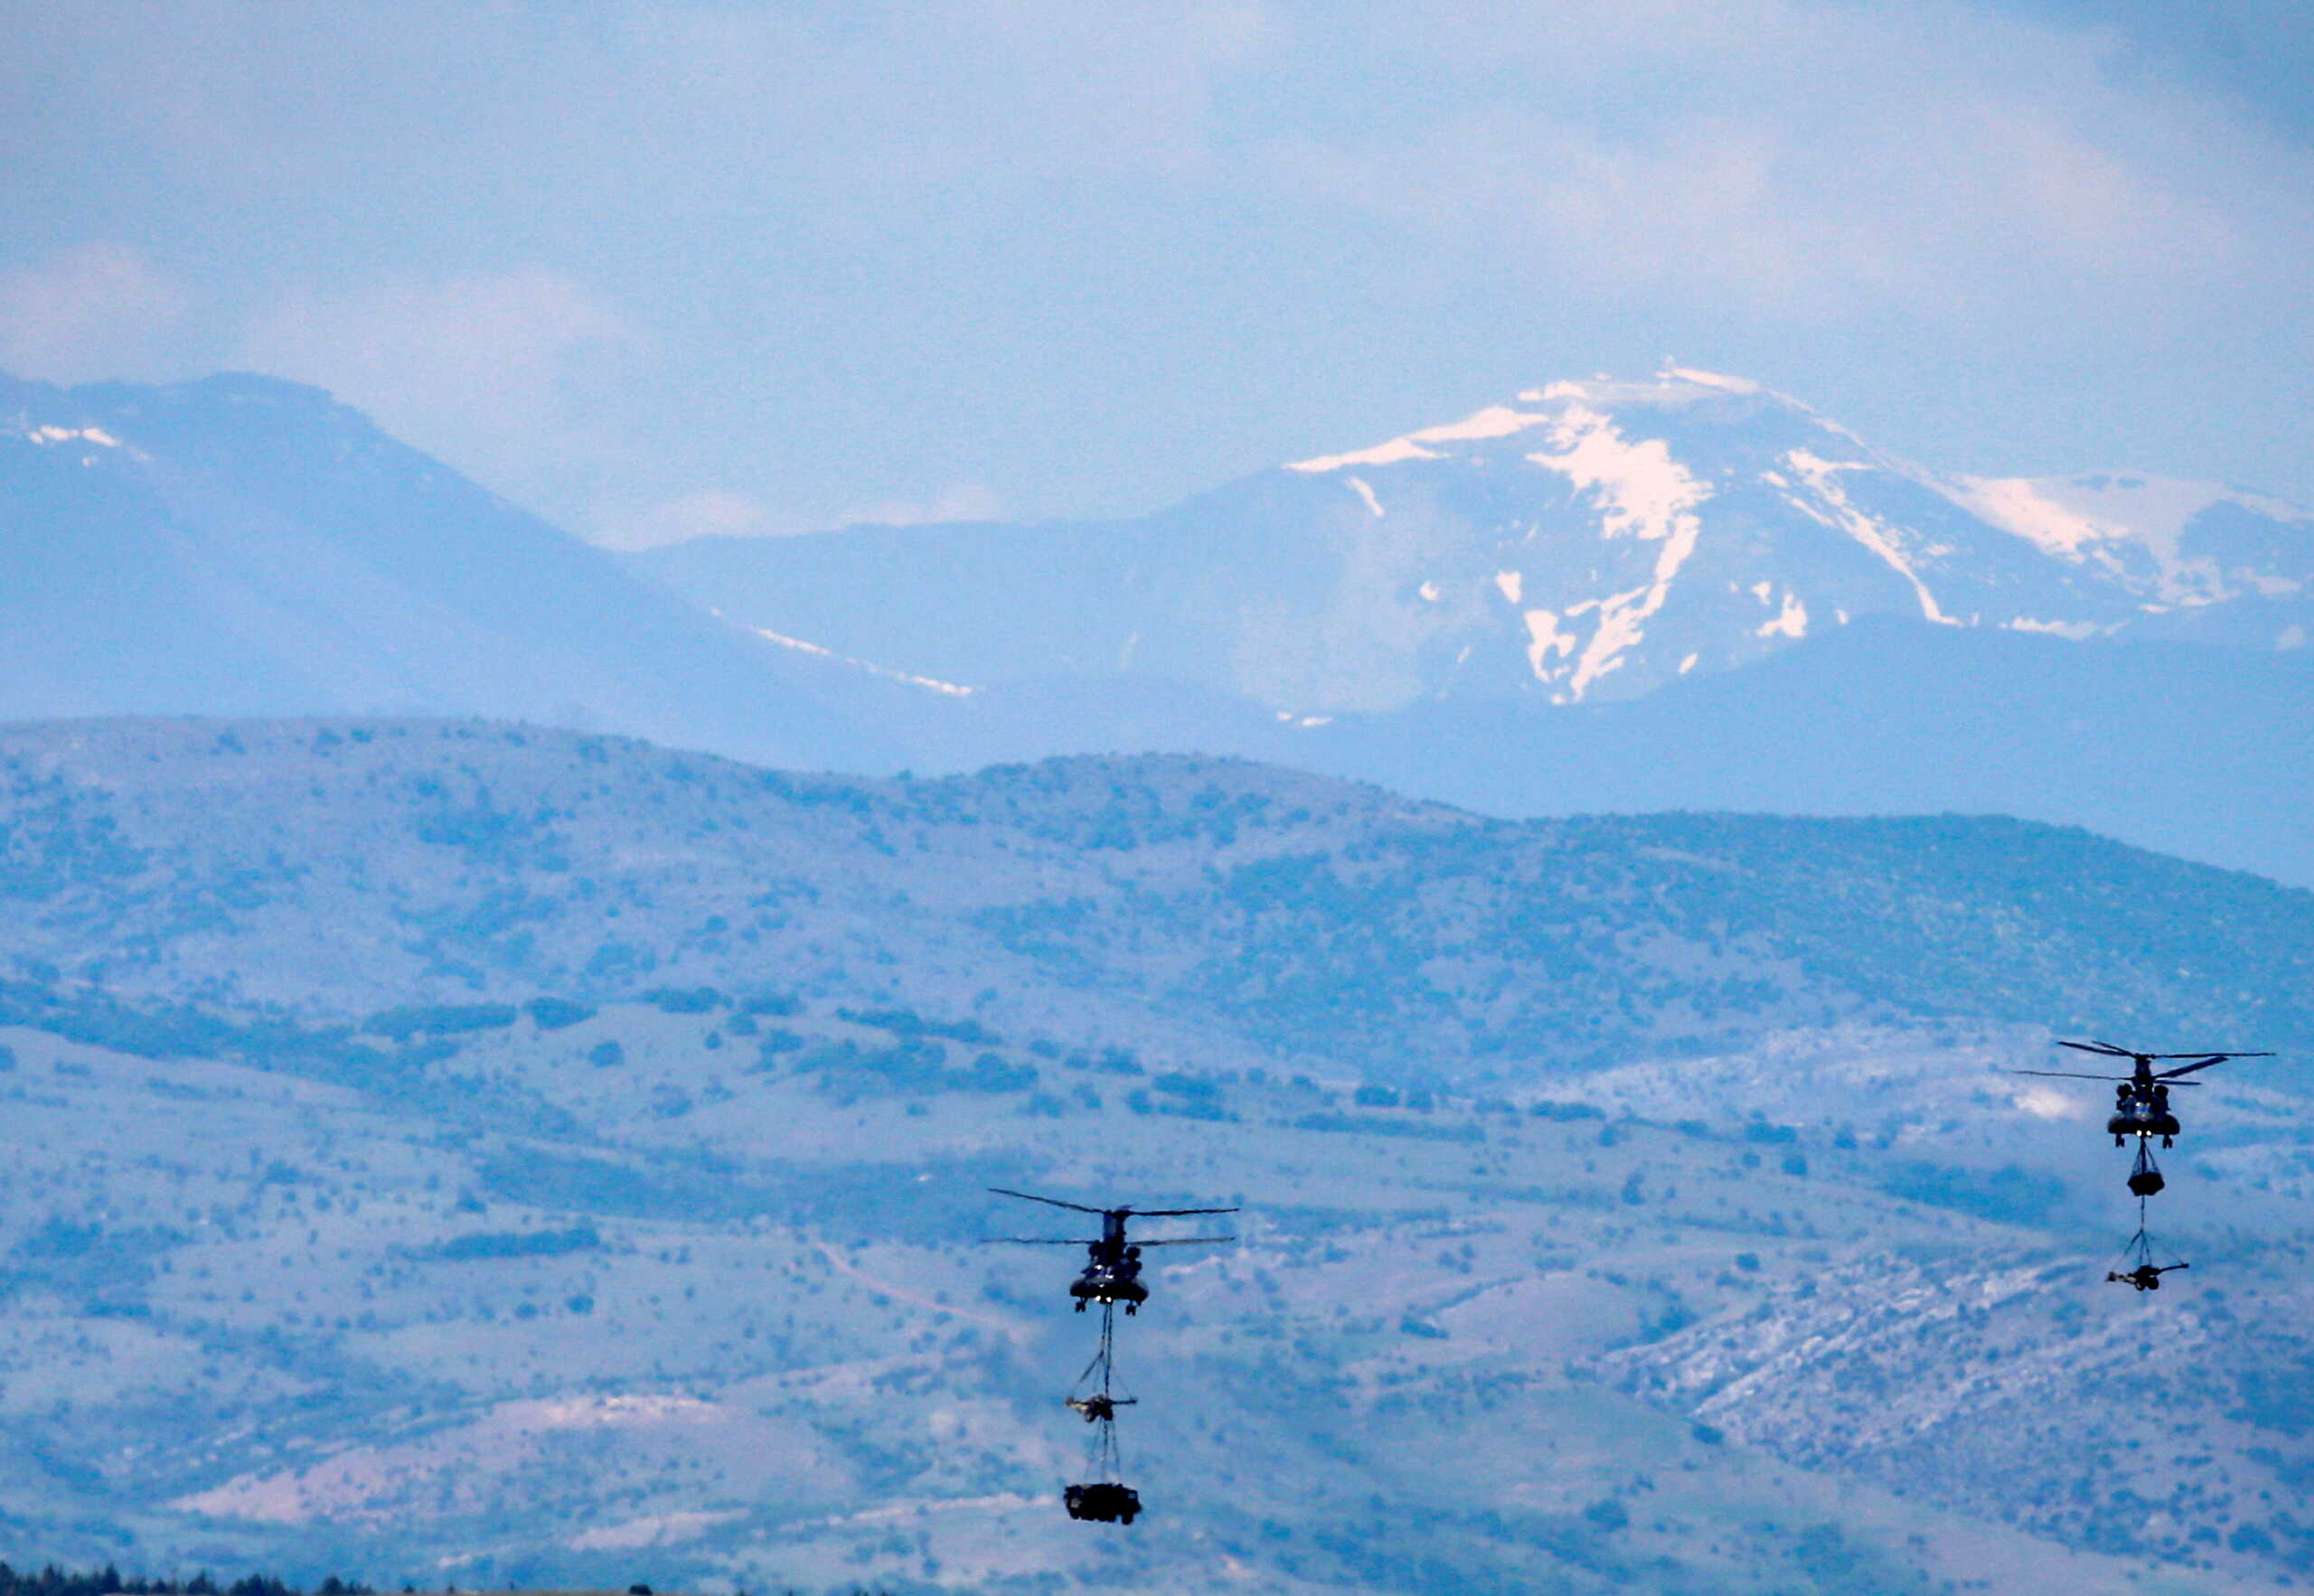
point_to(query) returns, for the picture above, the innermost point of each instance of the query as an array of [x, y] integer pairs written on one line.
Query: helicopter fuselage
[[1112, 1273], [2141, 1109]]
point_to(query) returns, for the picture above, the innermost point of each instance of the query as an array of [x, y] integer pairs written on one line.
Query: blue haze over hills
[[245, 546], [443, 1147], [1679, 593]]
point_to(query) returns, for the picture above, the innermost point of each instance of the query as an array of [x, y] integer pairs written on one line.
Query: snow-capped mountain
[[1681, 593], [1583, 543], [1640, 531], [240, 544]]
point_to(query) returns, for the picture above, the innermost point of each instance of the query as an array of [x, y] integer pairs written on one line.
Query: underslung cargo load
[[2145, 1175], [1102, 1497], [2143, 1273], [1103, 1502]]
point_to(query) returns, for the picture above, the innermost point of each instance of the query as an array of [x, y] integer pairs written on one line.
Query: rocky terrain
[[362, 1216], [1212, 909]]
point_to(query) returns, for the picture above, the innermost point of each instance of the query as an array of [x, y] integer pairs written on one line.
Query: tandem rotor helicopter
[[2141, 1109], [1112, 1275], [2141, 1100], [1113, 1264]]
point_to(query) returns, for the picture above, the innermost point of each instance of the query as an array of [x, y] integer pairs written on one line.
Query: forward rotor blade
[[2105, 1048], [2172, 1075], [1028, 1196], [2070, 1074], [1186, 1241], [1174, 1212]]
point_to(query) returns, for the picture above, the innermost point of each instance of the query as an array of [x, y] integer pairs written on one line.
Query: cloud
[[90, 310], [961, 502], [713, 513], [1820, 163], [720, 513], [489, 371]]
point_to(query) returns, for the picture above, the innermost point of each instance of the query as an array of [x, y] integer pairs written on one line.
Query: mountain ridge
[[1585, 541], [1171, 903], [240, 544]]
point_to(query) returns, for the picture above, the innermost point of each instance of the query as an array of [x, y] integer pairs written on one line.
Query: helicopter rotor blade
[[2171, 1075], [1186, 1241], [1054, 1202], [1032, 1240], [2070, 1074], [1174, 1212], [2206, 1053], [2105, 1048]]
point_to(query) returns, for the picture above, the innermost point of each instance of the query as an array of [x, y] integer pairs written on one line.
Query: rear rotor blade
[[2116, 1049], [2206, 1054], [1186, 1241], [2171, 1075], [1032, 1240], [1030, 1196], [2105, 1048], [2070, 1074], [1174, 1212]]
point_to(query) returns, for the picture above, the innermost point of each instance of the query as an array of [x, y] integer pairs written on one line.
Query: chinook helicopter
[[1112, 1265], [2141, 1099]]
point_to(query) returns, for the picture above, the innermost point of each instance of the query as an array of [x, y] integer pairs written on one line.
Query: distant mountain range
[[1589, 541], [1679, 593]]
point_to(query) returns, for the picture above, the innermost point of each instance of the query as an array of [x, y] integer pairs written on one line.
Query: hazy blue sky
[[659, 267]]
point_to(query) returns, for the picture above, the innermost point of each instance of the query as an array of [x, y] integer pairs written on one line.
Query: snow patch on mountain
[[1719, 380], [50, 434], [1389, 454], [1792, 621], [1494, 421], [2071, 630], [956, 690], [2016, 504], [1641, 493], [2103, 518], [1546, 641], [1833, 508]]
